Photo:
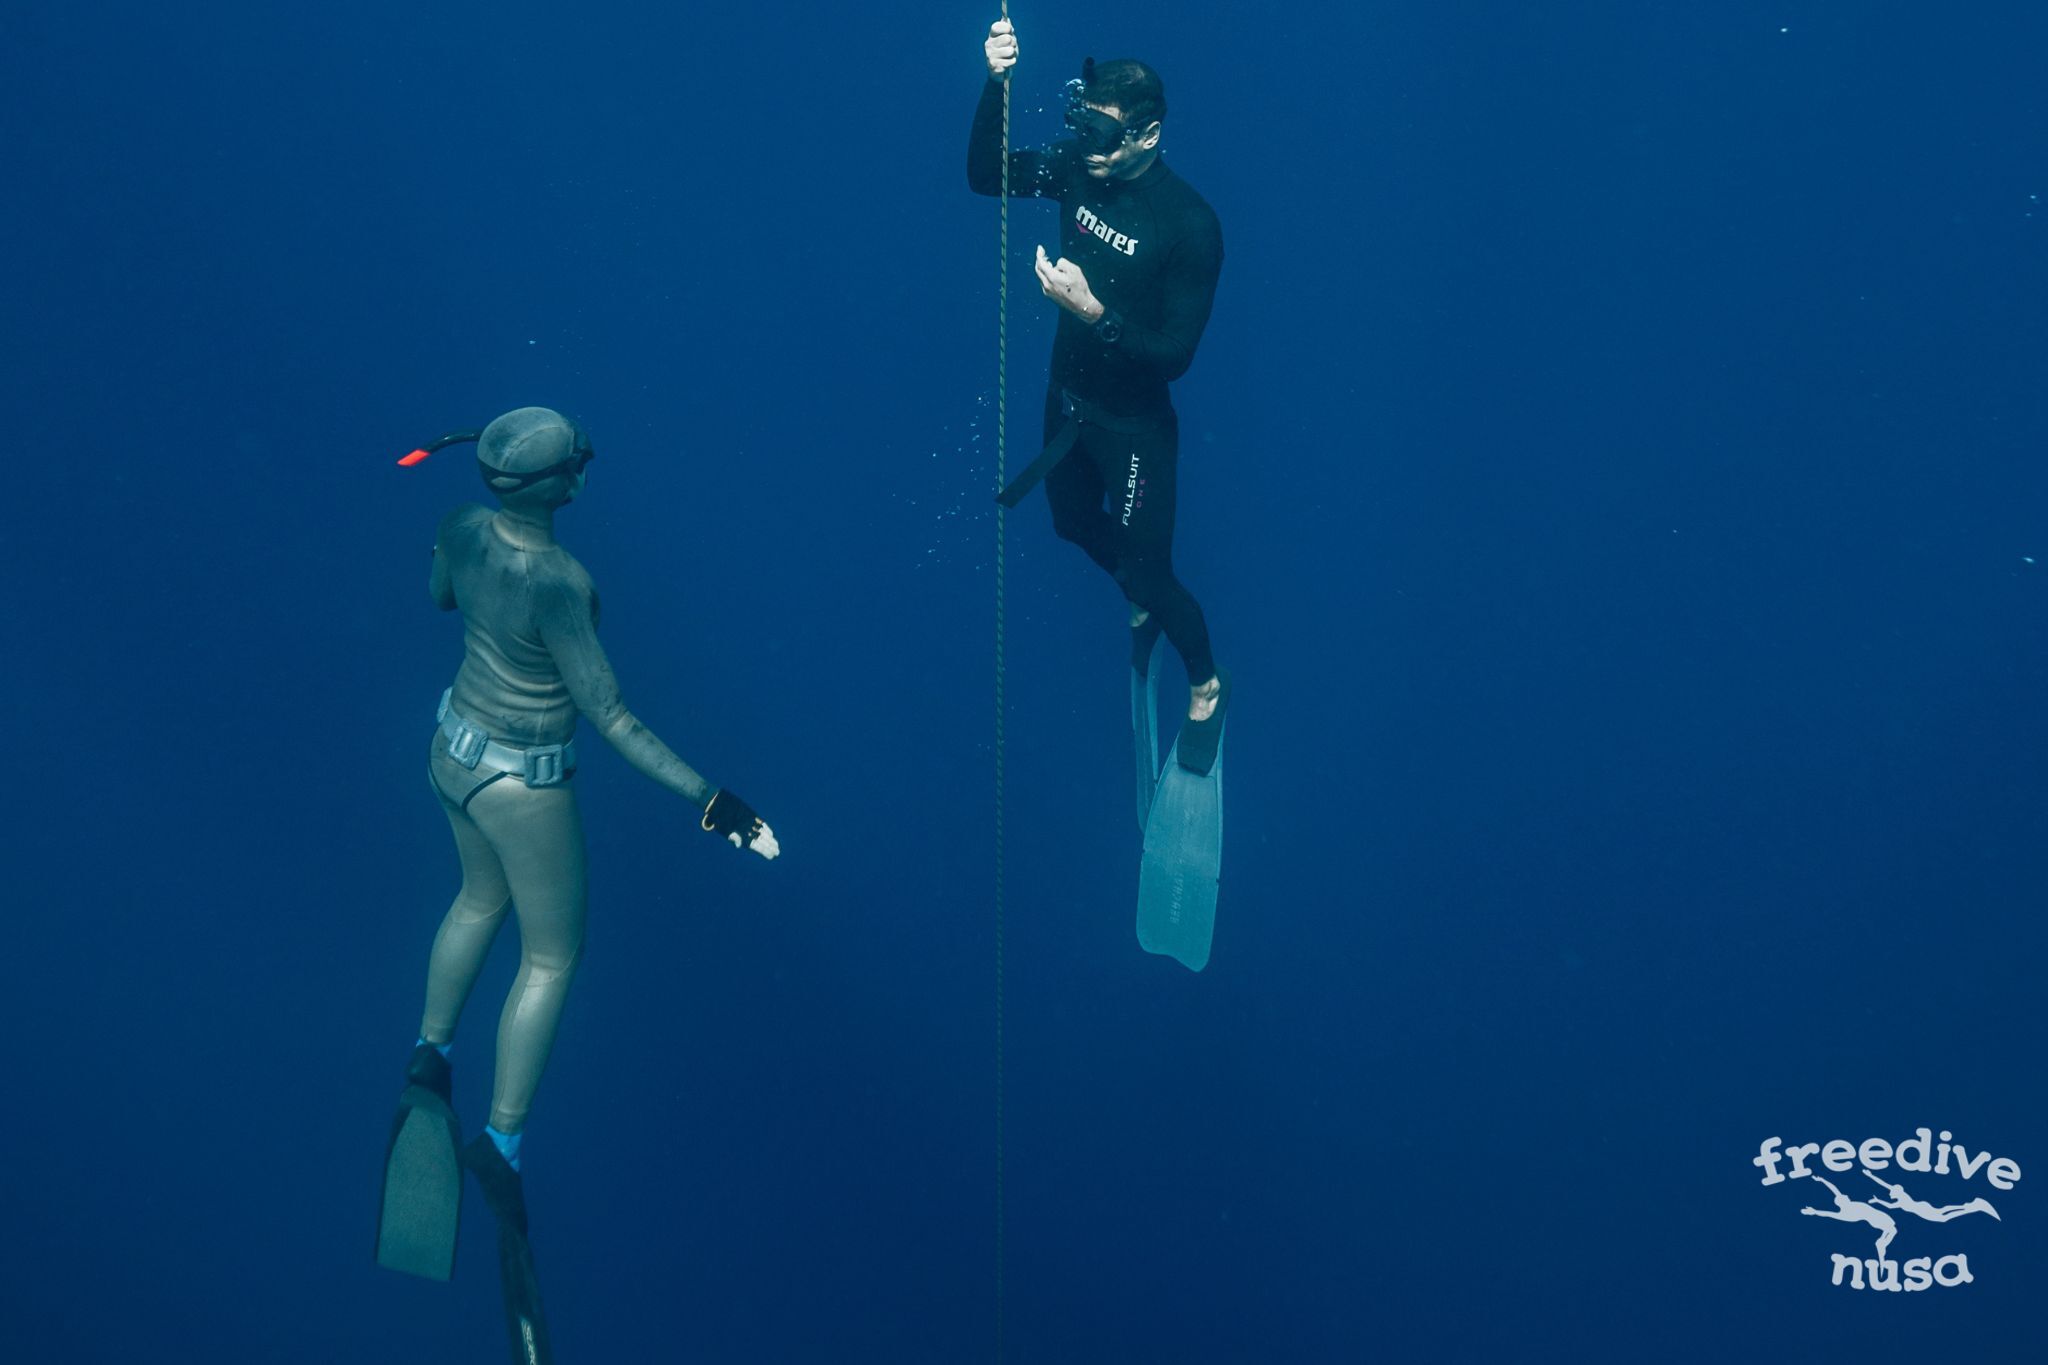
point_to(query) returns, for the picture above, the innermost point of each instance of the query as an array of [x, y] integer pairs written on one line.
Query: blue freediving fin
[[1145, 717], [1183, 862], [422, 1199]]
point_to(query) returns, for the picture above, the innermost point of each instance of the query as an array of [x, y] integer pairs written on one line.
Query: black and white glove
[[733, 820]]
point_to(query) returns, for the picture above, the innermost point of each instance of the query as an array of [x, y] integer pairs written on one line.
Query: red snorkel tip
[[451, 439]]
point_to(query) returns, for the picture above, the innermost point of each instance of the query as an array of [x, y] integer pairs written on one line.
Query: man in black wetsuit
[[1140, 255]]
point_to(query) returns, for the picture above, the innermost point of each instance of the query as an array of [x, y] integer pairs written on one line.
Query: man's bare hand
[[1066, 286], [1000, 49]]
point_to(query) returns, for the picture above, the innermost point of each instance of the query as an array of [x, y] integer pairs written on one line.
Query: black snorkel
[[453, 438], [505, 480]]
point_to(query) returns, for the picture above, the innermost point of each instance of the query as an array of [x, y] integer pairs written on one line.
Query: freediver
[[1140, 256], [500, 765], [1847, 1210], [1920, 1208]]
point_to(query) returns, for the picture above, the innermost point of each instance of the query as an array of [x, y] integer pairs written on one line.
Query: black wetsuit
[[1151, 249]]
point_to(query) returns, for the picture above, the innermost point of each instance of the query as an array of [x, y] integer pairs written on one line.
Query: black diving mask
[[1093, 129], [579, 457]]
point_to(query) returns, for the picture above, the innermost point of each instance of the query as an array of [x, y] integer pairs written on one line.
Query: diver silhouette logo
[[1920, 1208], [1920, 1154]]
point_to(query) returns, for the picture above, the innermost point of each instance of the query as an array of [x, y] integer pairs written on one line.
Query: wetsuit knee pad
[[1070, 523], [544, 968], [1145, 581], [473, 909]]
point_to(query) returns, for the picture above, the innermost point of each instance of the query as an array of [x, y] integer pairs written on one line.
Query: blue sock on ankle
[[442, 1048], [507, 1145]]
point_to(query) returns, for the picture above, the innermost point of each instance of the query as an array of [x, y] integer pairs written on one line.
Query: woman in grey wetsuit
[[503, 755]]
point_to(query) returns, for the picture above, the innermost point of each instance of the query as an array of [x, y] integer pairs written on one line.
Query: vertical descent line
[[1002, 426]]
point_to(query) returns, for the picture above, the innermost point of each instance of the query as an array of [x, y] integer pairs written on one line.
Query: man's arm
[[1034, 174], [1189, 282], [568, 626], [1034, 171]]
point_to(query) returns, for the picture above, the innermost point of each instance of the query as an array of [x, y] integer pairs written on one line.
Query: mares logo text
[[1096, 227]]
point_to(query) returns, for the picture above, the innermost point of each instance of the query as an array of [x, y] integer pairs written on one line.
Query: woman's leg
[[466, 932], [537, 835]]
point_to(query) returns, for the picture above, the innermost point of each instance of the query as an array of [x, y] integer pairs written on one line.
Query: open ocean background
[[1614, 474]]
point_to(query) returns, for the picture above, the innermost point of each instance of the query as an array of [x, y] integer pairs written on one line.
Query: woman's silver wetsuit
[[501, 763]]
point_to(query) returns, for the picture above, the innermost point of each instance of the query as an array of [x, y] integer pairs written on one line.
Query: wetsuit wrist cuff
[[728, 815]]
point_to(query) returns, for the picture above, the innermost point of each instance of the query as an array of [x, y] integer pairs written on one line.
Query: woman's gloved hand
[[733, 819]]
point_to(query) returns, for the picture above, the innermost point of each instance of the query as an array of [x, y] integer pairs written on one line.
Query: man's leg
[[1074, 492], [1141, 506]]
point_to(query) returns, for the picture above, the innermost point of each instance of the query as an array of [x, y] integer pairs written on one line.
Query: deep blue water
[[1614, 474]]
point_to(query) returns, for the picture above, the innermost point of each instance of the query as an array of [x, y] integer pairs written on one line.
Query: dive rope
[[1002, 422]]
